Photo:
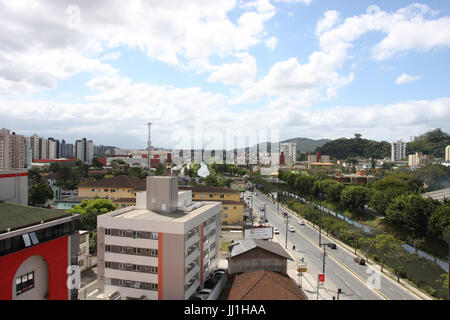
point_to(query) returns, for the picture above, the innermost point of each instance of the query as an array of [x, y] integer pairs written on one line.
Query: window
[[136, 251], [93, 190], [124, 205], [123, 249], [137, 268], [113, 190], [106, 190], [26, 240], [211, 195], [107, 264], [225, 208], [107, 248], [122, 233], [24, 283], [107, 231], [122, 266], [136, 234], [222, 196]]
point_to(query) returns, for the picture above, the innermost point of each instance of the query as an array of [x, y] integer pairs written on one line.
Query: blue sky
[[316, 69]]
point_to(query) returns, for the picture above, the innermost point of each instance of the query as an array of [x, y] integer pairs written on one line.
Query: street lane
[[387, 287], [336, 275]]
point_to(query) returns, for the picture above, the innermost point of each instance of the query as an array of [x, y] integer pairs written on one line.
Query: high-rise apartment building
[[164, 248], [12, 154], [66, 149], [84, 150], [290, 153], [398, 151], [54, 148]]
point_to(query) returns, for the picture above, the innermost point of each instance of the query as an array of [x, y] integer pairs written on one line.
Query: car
[[276, 231], [267, 220], [203, 294], [249, 197], [291, 229], [256, 193], [301, 222], [360, 261], [332, 245], [284, 213], [211, 283], [261, 208]]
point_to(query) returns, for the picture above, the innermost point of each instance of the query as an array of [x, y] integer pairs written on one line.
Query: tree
[[304, 184], [89, 209], [403, 259], [440, 219], [386, 247], [160, 170], [40, 193], [411, 210], [355, 197], [96, 163]]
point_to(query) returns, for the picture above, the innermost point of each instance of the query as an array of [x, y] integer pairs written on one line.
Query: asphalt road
[[341, 271]]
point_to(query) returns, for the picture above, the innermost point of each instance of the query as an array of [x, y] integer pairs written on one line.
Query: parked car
[[267, 220], [360, 261], [261, 208], [276, 231], [291, 229], [284, 213], [256, 193], [301, 222], [332, 245], [210, 283], [203, 294]]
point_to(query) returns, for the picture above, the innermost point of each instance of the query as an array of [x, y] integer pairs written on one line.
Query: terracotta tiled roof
[[264, 285], [116, 182], [208, 189]]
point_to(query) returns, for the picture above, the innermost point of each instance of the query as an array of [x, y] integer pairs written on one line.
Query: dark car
[[360, 261], [332, 245], [284, 213], [210, 283]]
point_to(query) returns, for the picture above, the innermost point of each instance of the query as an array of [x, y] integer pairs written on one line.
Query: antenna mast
[[149, 144]]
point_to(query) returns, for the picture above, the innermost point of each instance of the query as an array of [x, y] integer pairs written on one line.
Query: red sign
[[321, 277]]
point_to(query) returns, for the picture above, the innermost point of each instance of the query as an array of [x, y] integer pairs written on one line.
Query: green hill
[[431, 143]]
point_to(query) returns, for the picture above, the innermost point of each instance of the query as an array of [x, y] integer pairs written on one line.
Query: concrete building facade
[[447, 154], [163, 248], [398, 150], [290, 153], [12, 150], [14, 186]]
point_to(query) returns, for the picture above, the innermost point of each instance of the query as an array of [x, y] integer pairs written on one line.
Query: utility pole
[[287, 221], [324, 254], [320, 225]]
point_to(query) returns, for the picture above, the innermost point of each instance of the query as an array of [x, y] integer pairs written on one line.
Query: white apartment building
[[14, 186], [447, 154], [53, 149], [290, 153], [398, 150], [83, 252], [418, 159], [163, 248]]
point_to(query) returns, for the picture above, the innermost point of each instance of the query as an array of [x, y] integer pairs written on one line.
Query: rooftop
[[264, 285], [116, 182], [17, 216], [438, 194], [243, 246], [177, 216], [208, 189]]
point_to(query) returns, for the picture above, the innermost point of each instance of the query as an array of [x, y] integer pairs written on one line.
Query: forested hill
[[432, 143], [357, 147], [305, 145]]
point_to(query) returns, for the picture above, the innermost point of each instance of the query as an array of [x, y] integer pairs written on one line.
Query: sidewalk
[[373, 264], [309, 279]]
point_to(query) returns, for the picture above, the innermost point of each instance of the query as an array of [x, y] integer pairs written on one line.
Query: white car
[[291, 229], [276, 231], [301, 222]]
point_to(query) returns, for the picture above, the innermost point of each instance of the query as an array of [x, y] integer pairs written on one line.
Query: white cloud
[[307, 2], [111, 56], [406, 78], [411, 28], [271, 43], [327, 22], [240, 73]]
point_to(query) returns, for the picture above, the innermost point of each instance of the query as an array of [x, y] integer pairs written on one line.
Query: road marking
[[345, 267]]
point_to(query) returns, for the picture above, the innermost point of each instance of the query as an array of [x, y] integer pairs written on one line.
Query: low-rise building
[[360, 178], [233, 205], [164, 248], [418, 160], [252, 255], [264, 285], [37, 246], [115, 188], [83, 252]]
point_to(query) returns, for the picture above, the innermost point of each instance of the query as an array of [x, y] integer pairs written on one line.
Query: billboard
[[259, 233]]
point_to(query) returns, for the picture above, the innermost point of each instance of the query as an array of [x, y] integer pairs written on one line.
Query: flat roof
[[177, 216], [16, 216]]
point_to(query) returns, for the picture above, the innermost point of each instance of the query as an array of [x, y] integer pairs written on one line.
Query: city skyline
[[306, 68]]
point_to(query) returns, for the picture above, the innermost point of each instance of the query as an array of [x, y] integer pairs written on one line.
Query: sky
[[225, 69]]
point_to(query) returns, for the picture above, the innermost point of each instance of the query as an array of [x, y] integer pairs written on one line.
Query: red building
[[36, 248]]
